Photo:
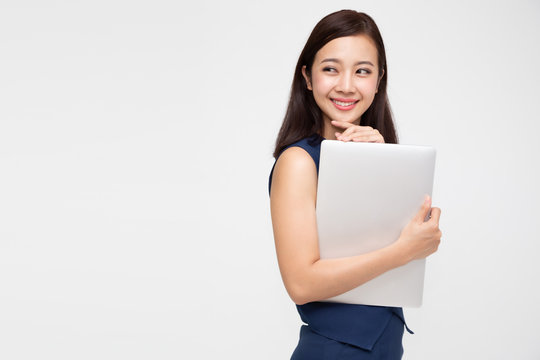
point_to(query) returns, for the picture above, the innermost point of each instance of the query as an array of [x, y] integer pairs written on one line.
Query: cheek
[[368, 87], [322, 85]]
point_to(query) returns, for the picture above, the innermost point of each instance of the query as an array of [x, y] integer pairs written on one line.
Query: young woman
[[338, 92]]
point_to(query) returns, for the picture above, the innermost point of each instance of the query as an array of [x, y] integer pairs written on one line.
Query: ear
[[306, 77], [379, 81]]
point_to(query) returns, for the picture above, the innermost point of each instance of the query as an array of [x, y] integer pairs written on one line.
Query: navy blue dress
[[346, 331]]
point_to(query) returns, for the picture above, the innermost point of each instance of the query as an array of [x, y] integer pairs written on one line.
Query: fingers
[[357, 133], [435, 215], [424, 210], [353, 130], [369, 137]]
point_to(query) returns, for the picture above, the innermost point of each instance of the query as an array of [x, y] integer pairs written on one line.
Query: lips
[[344, 104]]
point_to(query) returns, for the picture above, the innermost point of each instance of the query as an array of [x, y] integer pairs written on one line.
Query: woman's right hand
[[420, 238]]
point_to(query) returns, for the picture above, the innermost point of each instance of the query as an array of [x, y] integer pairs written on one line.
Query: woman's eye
[[329, 69], [363, 71]]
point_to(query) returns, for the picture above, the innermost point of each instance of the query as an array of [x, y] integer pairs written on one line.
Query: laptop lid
[[367, 193]]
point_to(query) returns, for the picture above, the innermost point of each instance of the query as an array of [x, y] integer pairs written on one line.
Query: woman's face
[[344, 78]]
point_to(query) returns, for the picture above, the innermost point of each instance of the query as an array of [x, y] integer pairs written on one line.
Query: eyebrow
[[365, 62]]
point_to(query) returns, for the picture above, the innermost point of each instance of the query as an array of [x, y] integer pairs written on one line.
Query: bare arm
[[307, 277]]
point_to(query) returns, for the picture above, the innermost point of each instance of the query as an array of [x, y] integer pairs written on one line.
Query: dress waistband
[[358, 325]]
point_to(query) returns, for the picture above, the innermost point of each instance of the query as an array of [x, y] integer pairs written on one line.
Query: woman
[[338, 92]]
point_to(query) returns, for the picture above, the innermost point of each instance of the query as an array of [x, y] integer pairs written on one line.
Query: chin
[[348, 119], [342, 117]]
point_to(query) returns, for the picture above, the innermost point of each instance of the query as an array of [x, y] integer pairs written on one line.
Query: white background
[[135, 147]]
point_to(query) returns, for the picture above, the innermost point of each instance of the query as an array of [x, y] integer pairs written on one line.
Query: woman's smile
[[344, 104]]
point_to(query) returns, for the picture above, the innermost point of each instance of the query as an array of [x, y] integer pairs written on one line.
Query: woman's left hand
[[357, 133]]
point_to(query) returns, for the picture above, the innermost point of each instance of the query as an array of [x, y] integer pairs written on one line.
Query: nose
[[345, 83]]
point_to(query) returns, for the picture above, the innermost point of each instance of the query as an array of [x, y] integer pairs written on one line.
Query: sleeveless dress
[[346, 331]]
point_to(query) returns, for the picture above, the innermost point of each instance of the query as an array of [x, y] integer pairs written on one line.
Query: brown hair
[[303, 117]]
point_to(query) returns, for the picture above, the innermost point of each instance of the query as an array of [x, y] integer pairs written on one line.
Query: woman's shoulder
[[294, 159], [293, 169], [310, 144], [298, 161]]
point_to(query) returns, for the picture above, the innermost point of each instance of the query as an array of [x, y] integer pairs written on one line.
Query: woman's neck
[[329, 131]]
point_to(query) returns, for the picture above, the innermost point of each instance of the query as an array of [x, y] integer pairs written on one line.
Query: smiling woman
[[338, 92], [344, 79], [304, 116]]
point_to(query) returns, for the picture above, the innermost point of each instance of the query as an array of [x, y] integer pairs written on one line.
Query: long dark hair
[[303, 117]]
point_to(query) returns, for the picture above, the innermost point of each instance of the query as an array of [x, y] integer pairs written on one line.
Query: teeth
[[341, 103]]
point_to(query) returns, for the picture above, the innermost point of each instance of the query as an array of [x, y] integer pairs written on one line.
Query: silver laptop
[[367, 193]]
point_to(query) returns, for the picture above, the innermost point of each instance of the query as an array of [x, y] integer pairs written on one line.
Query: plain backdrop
[[135, 147]]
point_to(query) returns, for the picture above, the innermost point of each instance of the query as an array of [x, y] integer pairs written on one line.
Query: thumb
[[422, 214]]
